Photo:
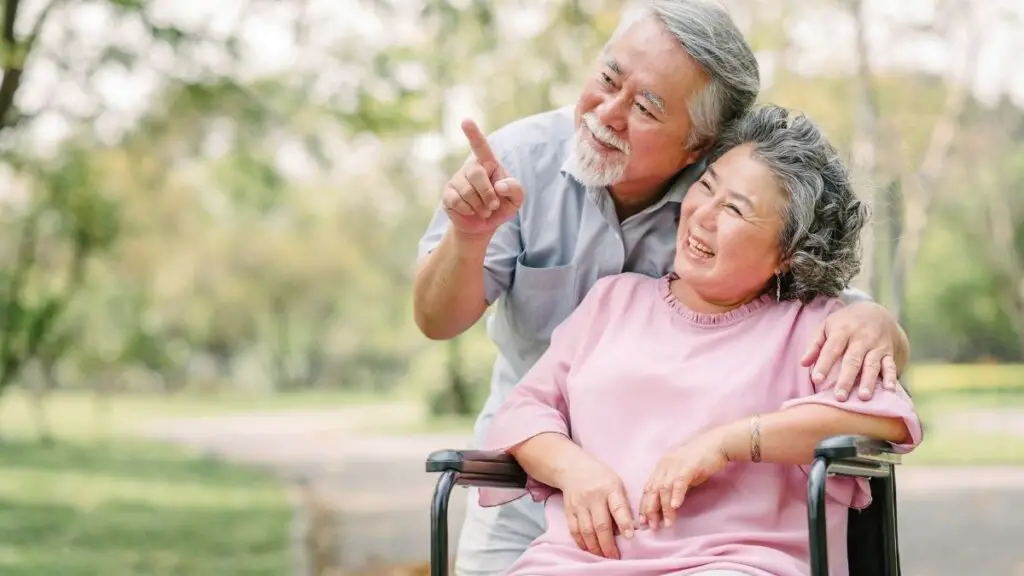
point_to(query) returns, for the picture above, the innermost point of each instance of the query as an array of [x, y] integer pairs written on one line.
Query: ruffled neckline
[[708, 319]]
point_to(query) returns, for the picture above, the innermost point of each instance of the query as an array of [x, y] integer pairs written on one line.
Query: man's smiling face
[[632, 118]]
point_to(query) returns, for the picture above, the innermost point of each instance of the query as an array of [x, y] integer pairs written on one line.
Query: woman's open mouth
[[698, 249]]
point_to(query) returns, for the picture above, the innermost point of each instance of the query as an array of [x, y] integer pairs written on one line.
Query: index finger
[[478, 144], [831, 351]]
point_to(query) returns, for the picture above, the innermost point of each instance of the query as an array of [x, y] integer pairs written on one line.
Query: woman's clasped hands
[[596, 504]]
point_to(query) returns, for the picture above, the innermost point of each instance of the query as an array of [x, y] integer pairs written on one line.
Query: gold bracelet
[[755, 438]]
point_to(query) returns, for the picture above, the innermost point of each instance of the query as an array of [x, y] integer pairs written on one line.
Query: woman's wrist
[[740, 440]]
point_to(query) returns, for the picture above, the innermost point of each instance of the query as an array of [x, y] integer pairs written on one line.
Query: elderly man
[[551, 203]]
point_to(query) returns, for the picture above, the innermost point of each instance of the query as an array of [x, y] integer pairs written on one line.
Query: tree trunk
[[865, 152]]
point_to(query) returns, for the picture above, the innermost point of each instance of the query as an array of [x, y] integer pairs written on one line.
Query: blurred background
[[210, 212]]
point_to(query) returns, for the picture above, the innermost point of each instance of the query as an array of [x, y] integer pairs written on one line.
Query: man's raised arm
[[450, 292]]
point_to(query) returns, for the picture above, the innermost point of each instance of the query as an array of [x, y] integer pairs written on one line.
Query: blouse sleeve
[[883, 403], [538, 404]]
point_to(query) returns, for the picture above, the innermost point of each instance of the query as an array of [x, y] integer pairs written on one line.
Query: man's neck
[[632, 199]]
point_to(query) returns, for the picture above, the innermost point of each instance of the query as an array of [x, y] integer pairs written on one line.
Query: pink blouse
[[632, 373]]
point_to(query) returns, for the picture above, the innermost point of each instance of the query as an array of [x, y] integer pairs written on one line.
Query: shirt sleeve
[[500, 259], [856, 493], [506, 244], [539, 404]]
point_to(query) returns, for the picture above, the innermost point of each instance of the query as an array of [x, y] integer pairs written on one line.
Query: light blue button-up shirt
[[541, 263]]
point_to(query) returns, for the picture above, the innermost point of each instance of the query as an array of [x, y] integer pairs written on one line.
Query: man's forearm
[[546, 457], [449, 293], [790, 436]]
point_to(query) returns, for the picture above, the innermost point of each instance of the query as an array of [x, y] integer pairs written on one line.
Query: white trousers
[[493, 538]]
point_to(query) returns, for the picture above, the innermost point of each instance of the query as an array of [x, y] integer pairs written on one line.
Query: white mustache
[[602, 133]]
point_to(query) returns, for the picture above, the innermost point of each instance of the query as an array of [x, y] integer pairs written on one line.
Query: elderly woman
[[669, 426]]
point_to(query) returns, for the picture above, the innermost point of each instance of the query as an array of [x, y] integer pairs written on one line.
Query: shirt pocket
[[541, 298]]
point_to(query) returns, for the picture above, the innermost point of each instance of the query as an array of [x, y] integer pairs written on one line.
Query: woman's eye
[[732, 208]]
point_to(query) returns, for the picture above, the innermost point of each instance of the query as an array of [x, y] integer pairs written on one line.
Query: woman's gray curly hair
[[822, 218]]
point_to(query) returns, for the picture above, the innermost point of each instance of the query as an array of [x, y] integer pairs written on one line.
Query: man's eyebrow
[[654, 99], [611, 63]]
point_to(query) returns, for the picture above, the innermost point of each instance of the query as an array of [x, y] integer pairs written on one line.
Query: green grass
[[82, 416], [927, 378], [99, 502], [951, 435], [130, 508]]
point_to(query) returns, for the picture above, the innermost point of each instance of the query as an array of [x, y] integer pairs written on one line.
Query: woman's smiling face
[[727, 244]]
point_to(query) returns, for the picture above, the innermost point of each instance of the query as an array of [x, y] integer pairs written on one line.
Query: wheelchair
[[872, 544]]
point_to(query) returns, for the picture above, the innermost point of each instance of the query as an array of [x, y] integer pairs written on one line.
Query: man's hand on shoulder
[[868, 340], [482, 195]]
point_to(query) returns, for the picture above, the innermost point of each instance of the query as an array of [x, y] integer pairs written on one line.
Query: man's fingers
[[831, 351], [478, 144], [453, 202], [604, 528], [481, 185], [510, 189], [620, 512], [849, 370], [890, 374], [869, 374], [464, 188], [511, 195], [814, 347]]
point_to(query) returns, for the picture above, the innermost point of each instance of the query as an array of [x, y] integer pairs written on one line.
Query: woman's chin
[[687, 263]]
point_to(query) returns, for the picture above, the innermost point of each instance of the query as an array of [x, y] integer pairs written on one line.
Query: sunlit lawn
[[81, 415], [99, 502], [126, 508]]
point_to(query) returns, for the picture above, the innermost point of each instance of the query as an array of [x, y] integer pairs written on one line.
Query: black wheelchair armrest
[[863, 457], [479, 468], [466, 468]]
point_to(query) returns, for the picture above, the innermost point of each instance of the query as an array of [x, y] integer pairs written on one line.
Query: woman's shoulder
[[623, 284], [796, 321], [620, 291], [807, 312]]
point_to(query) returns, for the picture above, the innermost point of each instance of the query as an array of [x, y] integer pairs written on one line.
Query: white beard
[[596, 168]]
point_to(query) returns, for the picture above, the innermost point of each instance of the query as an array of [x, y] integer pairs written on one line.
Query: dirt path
[[952, 521]]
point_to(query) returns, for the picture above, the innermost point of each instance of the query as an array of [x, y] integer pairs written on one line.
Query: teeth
[[700, 247]]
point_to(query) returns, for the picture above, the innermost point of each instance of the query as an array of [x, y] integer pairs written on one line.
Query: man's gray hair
[[823, 218], [707, 32]]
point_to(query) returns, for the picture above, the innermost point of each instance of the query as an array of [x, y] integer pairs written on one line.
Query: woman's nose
[[706, 215]]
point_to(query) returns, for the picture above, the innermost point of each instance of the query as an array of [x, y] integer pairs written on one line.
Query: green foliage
[[190, 253]]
